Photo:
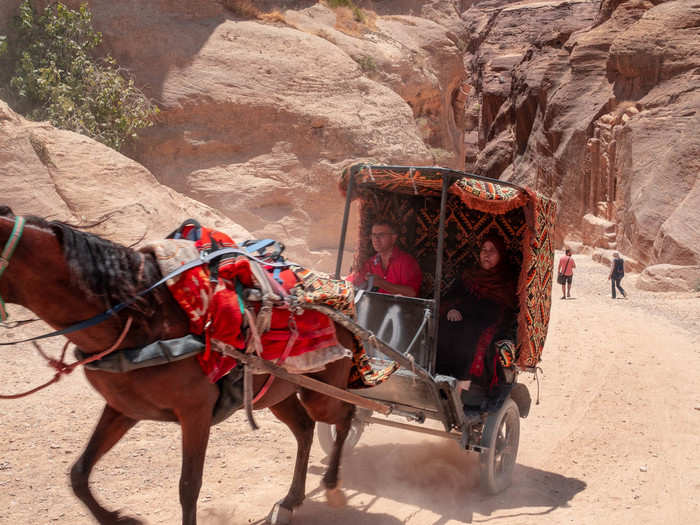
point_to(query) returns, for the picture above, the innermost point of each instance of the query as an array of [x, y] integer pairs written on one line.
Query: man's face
[[383, 238]]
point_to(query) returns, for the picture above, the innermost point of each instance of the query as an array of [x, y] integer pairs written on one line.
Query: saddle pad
[[157, 353]]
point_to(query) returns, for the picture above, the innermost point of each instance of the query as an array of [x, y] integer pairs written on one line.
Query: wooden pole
[[306, 382]]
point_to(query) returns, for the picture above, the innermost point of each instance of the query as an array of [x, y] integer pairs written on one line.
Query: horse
[[89, 274]]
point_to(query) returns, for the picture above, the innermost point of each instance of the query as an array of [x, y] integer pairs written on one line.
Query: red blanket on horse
[[218, 312]]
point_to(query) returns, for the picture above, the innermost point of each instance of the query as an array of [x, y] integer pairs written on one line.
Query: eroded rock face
[[65, 176], [670, 278], [599, 106], [258, 116], [594, 103]]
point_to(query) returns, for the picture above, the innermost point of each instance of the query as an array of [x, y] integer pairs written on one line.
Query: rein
[[64, 368]]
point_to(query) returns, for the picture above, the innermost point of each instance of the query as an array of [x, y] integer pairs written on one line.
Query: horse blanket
[[215, 309]]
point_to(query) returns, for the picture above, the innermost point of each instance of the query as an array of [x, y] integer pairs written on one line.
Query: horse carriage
[[443, 215], [145, 340]]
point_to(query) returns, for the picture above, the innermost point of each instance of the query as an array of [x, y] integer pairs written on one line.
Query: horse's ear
[[6, 211]]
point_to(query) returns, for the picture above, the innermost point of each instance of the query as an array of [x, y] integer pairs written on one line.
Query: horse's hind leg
[[340, 414], [331, 480], [334, 412], [293, 414], [110, 429]]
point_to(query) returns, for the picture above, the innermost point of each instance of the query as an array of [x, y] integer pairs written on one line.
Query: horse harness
[[271, 294]]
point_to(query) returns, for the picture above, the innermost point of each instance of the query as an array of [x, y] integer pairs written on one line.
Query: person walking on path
[[617, 272], [566, 269]]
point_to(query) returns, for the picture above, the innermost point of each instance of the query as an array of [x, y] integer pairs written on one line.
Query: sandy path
[[613, 440]]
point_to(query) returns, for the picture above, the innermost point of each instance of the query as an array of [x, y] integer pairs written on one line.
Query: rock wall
[[595, 104], [258, 116]]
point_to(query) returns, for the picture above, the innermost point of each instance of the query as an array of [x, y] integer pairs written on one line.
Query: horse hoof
[[279, 515], [336, 497]]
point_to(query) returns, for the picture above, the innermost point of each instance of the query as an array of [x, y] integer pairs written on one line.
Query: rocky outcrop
[[598, 232], [670, 278], [258, 115], [65, 176], [594, 103]]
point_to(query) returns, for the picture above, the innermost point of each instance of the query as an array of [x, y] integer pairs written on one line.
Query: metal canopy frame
[[448, 177]]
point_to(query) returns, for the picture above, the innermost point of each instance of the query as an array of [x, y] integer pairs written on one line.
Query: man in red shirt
[[393, 270], [566, 268]]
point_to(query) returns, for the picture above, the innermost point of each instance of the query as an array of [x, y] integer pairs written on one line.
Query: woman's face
[[489, 256]]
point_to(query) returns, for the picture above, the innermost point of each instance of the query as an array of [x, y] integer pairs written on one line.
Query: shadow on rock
[[444, 479]]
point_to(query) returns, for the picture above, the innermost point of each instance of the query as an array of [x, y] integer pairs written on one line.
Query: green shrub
[[366, 63], [56, 76]]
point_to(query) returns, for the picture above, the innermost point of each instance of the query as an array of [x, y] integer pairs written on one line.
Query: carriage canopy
[[410, 197]]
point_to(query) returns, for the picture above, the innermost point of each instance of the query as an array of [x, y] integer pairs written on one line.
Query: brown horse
[[65, 275]]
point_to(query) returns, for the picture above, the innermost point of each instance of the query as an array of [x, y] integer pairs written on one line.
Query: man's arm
[[411, 278], [401, 289], [359, 278]]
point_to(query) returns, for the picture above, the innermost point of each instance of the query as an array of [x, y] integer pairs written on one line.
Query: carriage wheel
[[501, 434], [326, 435]]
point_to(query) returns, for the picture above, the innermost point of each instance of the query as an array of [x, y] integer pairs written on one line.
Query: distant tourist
[[566, 273], [617, 272]]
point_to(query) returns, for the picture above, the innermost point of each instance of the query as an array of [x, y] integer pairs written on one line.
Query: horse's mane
[[105, 269]]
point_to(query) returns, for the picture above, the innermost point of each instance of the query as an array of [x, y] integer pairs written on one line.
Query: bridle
[[6, 255]]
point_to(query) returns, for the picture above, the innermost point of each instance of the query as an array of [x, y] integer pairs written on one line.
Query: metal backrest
[[395, 320]]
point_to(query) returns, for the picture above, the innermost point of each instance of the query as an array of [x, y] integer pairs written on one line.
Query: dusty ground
[[614, 440]]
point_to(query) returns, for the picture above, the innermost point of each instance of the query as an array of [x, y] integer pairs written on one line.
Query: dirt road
[[614, 440]]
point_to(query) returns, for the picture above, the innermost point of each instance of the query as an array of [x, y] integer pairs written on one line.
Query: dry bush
[[354, 21], [243, 8], [248, 9]]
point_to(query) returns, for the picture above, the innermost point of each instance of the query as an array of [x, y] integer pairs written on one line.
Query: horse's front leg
[[293, 414], [195, 437], [110, 429]]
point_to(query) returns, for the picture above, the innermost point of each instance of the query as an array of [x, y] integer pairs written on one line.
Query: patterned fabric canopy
[[410, 198]]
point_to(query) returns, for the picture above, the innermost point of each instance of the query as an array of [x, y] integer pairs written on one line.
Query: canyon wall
[[592, 103]]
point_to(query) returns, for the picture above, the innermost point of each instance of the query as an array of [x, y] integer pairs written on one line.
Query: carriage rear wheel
[[501, 435], [326, 435]]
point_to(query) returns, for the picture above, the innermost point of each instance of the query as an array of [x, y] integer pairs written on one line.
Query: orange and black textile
[[319, 288], [410, 198], [363, 375], [315, 287]]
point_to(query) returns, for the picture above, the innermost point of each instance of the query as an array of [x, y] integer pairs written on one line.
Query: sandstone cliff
[[595, 104], [598, 106]]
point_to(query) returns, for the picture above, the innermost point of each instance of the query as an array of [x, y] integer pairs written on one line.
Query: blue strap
[[260, 245]]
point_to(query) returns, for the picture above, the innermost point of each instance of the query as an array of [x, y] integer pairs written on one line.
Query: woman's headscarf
[[497, 284]]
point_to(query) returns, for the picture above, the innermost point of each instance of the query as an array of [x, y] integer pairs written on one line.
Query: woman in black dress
[[479, 310]]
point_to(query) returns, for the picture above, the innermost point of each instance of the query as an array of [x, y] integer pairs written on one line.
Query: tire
[[500, 436], [326, 436]]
